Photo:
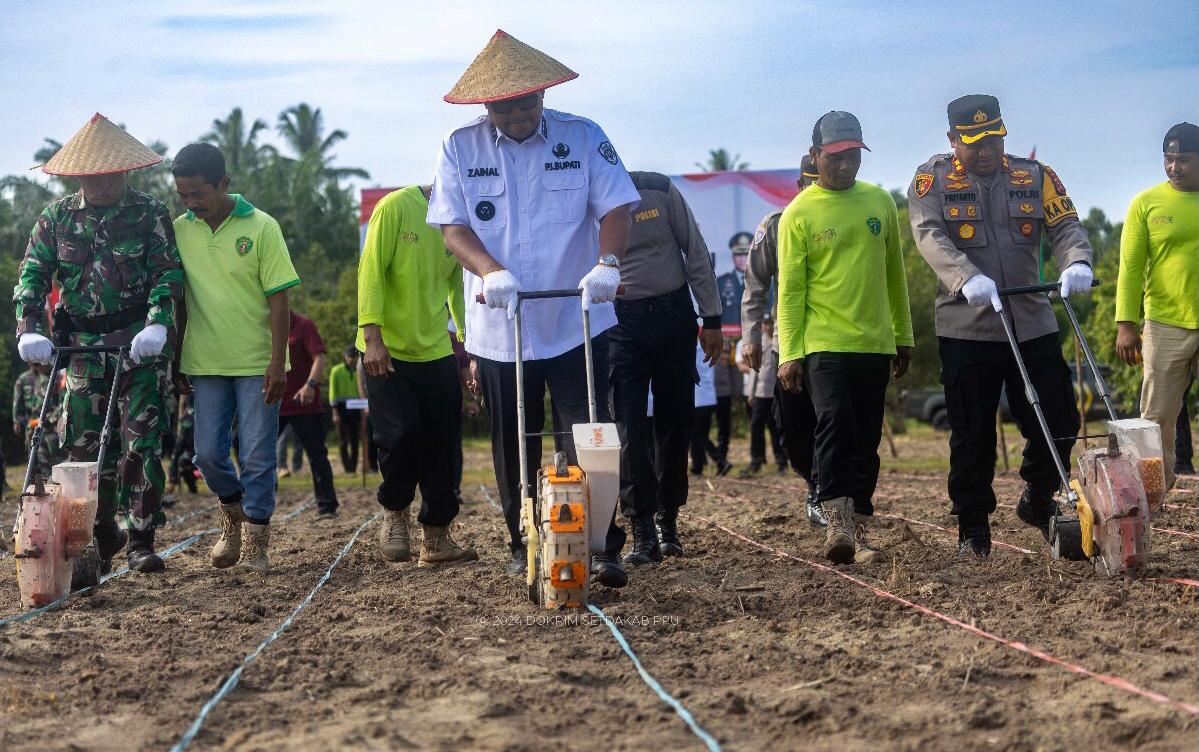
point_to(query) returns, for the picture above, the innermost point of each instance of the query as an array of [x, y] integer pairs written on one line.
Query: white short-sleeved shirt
[[536, 206]]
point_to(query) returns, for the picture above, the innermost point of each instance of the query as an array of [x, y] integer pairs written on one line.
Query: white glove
[[980, 290], [600, 285], [148, 343], [1077, 278], [500, 289], [34, 348]]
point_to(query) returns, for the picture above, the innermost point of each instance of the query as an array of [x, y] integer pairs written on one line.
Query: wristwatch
[[609, 259], [312, 383]]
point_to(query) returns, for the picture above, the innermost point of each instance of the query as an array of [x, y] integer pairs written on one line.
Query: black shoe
[[668, 535], [141, 556], [169, 500], [751, 470], [519, 564], [1036, 512], [327, 514], [606, 570], [722, 468], [697, 471], [974, 534], [191, 485], [645, 543], [815, 511], [110, 539]]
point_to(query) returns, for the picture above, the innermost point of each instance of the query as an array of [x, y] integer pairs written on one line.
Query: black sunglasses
[[526, 103]]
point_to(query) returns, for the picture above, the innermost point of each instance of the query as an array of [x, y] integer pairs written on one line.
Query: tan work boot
[[253, 550], [394, 541], [439, 548], [227, 550], [864, 553], [838, 537]]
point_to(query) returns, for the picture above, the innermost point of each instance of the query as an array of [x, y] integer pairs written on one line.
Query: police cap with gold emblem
[[975, 116], [807, 169]]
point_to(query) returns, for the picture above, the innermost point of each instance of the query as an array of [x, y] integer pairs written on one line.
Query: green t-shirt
[[342, 384], [227, 276], [1159, 258], [406, 277], [841, 280]]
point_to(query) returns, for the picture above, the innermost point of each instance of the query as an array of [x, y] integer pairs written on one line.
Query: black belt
[[678, 300], [104, 324]]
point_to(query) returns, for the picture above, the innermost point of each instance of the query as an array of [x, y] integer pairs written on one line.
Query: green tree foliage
[[719, 160]]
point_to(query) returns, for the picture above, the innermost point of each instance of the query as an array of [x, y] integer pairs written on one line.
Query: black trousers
[[653, 342], [415, 411], [848, 394], [1183, 452], [761, 422], [349, 424], [564, 375], [796, 420], [974, 374], [724, 423], [701, 444], [310, 432]]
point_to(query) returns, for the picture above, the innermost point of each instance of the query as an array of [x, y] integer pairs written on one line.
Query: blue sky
[[1093, 85]]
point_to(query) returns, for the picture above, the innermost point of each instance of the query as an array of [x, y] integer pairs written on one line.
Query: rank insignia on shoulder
[[966, 231], [957, 185], [922, 184], [1026, 208], [1026, 229]]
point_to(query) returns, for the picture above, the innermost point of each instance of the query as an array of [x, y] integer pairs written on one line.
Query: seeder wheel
[[1066, 536]]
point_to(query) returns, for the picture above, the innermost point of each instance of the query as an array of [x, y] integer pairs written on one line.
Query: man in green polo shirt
[[1159, 267], [406, 279], [844, 324], [237, 273]]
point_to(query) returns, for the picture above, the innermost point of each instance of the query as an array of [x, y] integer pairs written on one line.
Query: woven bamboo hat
[[507, 68], [98, 148]]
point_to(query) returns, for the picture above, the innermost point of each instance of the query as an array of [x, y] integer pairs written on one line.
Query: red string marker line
[[1111, 681], [1175, 580]]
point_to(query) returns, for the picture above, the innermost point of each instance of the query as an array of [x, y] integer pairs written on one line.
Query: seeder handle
[[1086, 349], [1028, 289]]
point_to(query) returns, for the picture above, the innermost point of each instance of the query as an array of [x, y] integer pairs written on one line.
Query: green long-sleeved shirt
[[1159, 258], [406, 278], [841, 281]]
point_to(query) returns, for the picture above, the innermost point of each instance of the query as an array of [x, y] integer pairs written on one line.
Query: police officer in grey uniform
[[666, 264], [794, 414], [978, 216]]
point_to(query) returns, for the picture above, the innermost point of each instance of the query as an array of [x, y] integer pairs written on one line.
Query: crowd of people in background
[[217, 368]]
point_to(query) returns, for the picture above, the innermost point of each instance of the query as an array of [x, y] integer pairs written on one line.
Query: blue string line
[[653, 684], [235, 677], [166, 553]]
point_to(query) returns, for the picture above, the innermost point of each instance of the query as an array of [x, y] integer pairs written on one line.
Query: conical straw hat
[[506, 68], [100, 147]]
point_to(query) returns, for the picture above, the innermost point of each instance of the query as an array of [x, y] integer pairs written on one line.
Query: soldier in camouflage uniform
[[112, 251], [182, 466], [27, 395]]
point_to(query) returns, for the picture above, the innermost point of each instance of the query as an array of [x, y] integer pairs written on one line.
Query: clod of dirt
[[737, 705]]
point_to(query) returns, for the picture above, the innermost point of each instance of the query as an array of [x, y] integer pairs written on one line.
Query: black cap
[[740, 242], [808, 168], [1185, 134], [975, 116]]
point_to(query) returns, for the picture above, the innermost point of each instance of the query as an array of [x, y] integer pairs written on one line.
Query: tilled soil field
[[755, 638]]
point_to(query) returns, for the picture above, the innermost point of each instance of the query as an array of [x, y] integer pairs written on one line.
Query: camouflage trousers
[[48, 452], [132, 479]]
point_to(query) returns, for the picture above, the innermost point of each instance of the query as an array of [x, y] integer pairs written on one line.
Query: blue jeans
[[216, 399]]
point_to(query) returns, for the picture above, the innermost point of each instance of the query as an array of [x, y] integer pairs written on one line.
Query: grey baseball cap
[[837, 131]]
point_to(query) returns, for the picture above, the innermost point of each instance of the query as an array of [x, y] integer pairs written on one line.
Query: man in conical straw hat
[[530, 198], [112, 252]]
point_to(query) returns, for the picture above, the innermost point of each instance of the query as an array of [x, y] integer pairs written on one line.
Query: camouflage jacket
[[105, 261], [27, 395]]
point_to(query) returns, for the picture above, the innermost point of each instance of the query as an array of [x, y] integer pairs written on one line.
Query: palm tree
[[49, 148], [239, 145], [720, 161], [302, 128]]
